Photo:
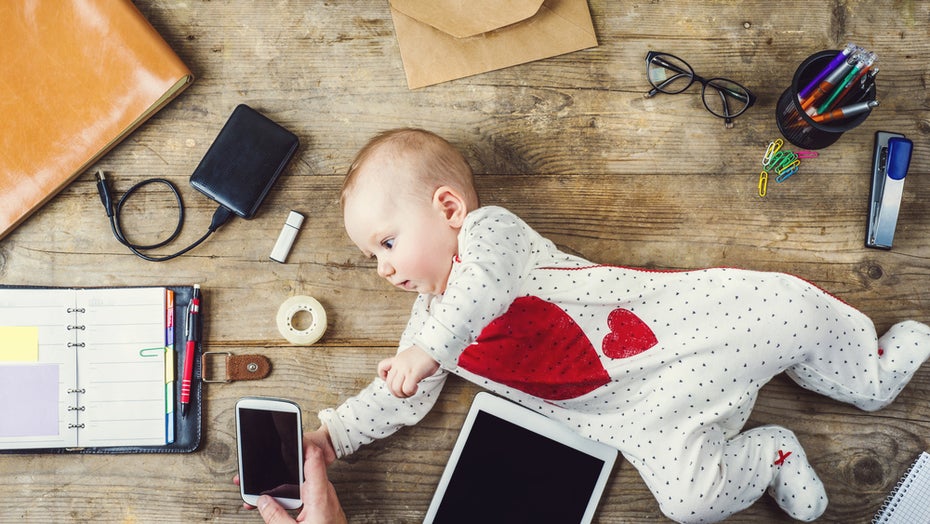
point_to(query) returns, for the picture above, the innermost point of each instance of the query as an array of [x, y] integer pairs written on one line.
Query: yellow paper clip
[[773, 148], [763, 182], [795, 163]]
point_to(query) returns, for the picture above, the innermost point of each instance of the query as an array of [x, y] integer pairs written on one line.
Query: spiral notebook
[[94, 370], [907, 503]]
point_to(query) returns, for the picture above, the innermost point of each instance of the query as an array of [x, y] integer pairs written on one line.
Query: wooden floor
[[570, 144]]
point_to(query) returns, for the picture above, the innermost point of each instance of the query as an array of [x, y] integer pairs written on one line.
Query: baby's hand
[[404, 371]]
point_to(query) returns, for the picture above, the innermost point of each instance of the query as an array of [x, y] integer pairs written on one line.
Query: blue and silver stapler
[[890, 161]]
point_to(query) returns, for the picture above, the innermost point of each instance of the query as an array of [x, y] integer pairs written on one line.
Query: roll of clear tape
[[293, 306]]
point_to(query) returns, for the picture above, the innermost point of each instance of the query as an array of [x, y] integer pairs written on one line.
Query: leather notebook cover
[[188, 430], [75, 79], [244, 161]]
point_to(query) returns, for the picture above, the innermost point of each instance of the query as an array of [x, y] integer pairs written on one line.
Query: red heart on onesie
[[628, 335], [537, 348]]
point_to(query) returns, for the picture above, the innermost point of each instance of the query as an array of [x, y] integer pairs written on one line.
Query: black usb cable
[[220, 217]]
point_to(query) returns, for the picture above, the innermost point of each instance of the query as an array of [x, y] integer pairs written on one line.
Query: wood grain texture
[[568, 143]]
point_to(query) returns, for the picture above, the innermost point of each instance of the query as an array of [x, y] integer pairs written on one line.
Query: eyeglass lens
[[669, 74], [725, 98], [722, 97]]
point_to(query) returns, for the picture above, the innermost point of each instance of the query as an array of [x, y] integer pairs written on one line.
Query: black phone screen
[[270, 445]]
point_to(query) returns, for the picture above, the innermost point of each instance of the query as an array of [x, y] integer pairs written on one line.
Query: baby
[[663, 365]]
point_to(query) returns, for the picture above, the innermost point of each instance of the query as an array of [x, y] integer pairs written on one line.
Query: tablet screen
[[508, 473]]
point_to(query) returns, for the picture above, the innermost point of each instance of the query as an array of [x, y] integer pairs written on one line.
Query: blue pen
[[837, 60]]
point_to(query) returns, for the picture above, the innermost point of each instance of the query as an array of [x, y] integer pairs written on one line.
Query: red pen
[[193, 316]]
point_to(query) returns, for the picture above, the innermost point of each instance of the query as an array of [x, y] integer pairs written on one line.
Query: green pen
[[861, 63]]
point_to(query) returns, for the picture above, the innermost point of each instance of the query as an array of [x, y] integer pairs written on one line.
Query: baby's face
[[412, 241]]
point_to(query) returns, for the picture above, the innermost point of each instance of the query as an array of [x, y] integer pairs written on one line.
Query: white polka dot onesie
[[663, 365]]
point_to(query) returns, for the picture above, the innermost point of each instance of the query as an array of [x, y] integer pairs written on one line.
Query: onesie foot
[[796, 487]]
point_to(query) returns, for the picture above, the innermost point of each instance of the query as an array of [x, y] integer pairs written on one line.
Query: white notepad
[[82, 368], [908, 501]]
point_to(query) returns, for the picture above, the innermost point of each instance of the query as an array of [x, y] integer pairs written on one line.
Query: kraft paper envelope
[[442, 40]]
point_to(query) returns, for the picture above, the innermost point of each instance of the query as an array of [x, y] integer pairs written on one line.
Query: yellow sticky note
[[19, 344]]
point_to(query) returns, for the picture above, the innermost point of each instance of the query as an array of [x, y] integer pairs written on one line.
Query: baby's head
[[425, 161], [404, 201]]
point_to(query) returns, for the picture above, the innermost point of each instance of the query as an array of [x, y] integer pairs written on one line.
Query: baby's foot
[[796, 487]]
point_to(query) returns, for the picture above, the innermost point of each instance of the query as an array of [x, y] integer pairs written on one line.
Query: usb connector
[[103, 189]]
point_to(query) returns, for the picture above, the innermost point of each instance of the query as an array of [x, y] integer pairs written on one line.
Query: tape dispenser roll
[[292, 307]]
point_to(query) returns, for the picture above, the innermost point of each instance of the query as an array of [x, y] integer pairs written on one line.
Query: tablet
[[513, 465]]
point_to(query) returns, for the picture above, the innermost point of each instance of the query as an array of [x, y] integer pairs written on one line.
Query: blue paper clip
[[770, 151], [787, 172]]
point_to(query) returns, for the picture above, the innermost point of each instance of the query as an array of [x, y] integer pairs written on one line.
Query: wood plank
[[569, 144]]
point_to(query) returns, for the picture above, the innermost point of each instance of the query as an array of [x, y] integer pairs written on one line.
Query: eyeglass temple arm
[[727, 121]]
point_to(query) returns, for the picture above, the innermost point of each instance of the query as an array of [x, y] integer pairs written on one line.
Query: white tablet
[[513, 465]]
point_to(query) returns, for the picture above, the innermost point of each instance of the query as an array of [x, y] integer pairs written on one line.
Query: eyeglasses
[[671, 75]]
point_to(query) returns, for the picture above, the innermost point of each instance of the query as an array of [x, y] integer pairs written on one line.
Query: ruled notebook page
[[122, 367], [37, 368]]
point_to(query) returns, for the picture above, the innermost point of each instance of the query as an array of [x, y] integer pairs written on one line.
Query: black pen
[[193, 316]]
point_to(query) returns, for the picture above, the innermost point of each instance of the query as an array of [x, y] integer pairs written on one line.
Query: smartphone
[[271, 456]]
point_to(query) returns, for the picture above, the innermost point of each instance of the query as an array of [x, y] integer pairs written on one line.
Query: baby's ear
[[448, 201]]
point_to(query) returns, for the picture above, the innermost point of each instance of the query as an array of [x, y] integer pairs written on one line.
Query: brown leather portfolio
[[76, 77]]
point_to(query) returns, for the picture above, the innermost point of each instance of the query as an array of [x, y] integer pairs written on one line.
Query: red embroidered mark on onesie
[[628, 335], [537, 348], [881, 351], [781, 457]]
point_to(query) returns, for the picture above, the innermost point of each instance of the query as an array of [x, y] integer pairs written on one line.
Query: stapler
[[890, 160]]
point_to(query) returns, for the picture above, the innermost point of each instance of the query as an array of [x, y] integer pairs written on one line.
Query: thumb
[[271, 511], [384, 366]]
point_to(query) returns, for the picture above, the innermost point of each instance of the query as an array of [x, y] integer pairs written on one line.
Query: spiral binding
[[76, 390], [886, 512]]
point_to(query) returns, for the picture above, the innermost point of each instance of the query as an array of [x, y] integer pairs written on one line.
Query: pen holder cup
[[795, 124]]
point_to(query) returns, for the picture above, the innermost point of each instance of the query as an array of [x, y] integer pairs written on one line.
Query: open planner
[[95, 370]]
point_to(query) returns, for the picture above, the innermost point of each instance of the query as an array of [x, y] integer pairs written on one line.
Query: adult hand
[[321, 505]]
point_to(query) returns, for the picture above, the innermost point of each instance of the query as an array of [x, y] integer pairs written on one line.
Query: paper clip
[[151, 352], [785, 167], [773, 148], [782, 159], [804, 154], [763, 182], [785, 173]]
